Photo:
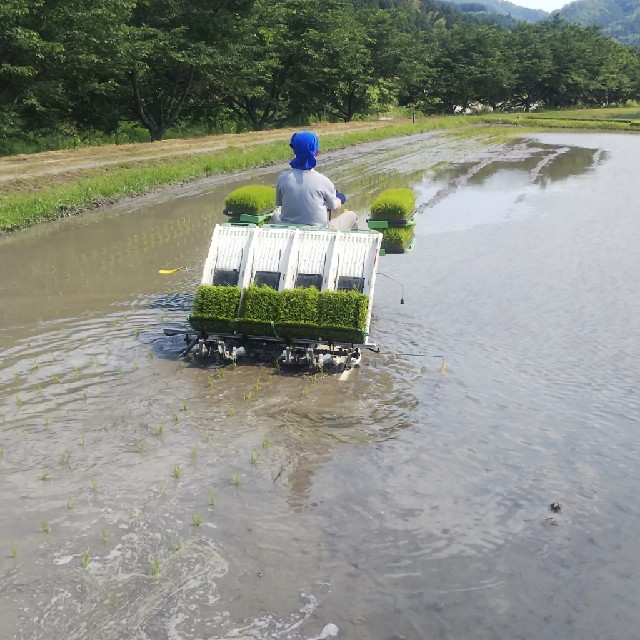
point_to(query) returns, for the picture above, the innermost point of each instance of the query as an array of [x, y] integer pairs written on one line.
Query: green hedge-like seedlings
[[396, 238], [393, 204], [252, 199], [216, 301], [299, 305], [346, 309], [261, 303], [292, 313], [214, 308]]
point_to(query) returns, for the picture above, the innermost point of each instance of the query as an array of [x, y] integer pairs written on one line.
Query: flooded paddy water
[[146, 496]]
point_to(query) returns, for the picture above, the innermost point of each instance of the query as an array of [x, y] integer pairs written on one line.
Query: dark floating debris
[[556, 507]]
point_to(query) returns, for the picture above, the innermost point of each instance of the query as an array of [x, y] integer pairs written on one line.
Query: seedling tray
[[392, 250], [389, 224]]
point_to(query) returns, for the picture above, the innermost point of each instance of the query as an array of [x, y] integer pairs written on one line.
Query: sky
[[546, 5]]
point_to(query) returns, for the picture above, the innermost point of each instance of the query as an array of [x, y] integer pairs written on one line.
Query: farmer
[[307, 196]]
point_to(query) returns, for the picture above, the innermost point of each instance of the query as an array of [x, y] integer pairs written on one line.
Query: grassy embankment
[[39, 195]]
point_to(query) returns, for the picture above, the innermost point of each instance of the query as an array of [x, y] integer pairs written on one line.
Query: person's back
[[306, 196]]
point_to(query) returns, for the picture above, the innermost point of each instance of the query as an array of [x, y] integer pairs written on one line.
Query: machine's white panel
[[291, 251]]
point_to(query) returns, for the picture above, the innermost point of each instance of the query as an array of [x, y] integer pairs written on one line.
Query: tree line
[[256, 64]]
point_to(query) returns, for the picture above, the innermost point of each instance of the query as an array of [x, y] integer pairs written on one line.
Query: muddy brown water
[[405, 501]]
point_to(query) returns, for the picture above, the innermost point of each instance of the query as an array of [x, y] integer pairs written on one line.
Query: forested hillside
[[618, 18], [498, 8], [71, 66]]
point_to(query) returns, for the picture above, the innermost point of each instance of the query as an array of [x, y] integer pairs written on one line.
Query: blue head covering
[[305, 145]]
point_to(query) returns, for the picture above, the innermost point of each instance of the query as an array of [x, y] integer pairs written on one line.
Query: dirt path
[[26, 166]]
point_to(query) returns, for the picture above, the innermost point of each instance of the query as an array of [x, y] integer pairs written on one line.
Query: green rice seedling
[[176, 471], [150, 354], [82, 440], [194, 452], [252, 200], [16, 376], [220, 373], [19, 401], [257, 386], [105, 427], [210, 381], [70, 504], [94, 485], [159, 432], [215, 307], [136, 333], [14, 549], [44, 525], [39, 389], [176, 417], [185, 406], [232, 411], [46, 421], [141, 446], [56, 378], [133, 514], [105, 536], [120, 373], [45, 477], [26, 435], [85, 559], [183, 365], [313, 379], [65, 458], [393, 204], [305, 391], [85, 396], [255, 456], [162, 489], [76, 372], [235, 478], [266, 444], [212, 497], [177, 544], [396, 238], [196, 519], [155, 567], [35, 364]]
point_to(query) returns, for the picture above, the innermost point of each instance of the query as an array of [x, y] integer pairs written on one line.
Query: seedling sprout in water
[[14, 549], [44, 525], [194, 452], [176, 471], [212, 497], [265, 444], [185, 406], [105, 536], [70, 504], [94, 485], [155, 567], [82, 440], [255, 456], [196, 519], [160, 430], [85, 559], [45, 476], [236, 479]]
